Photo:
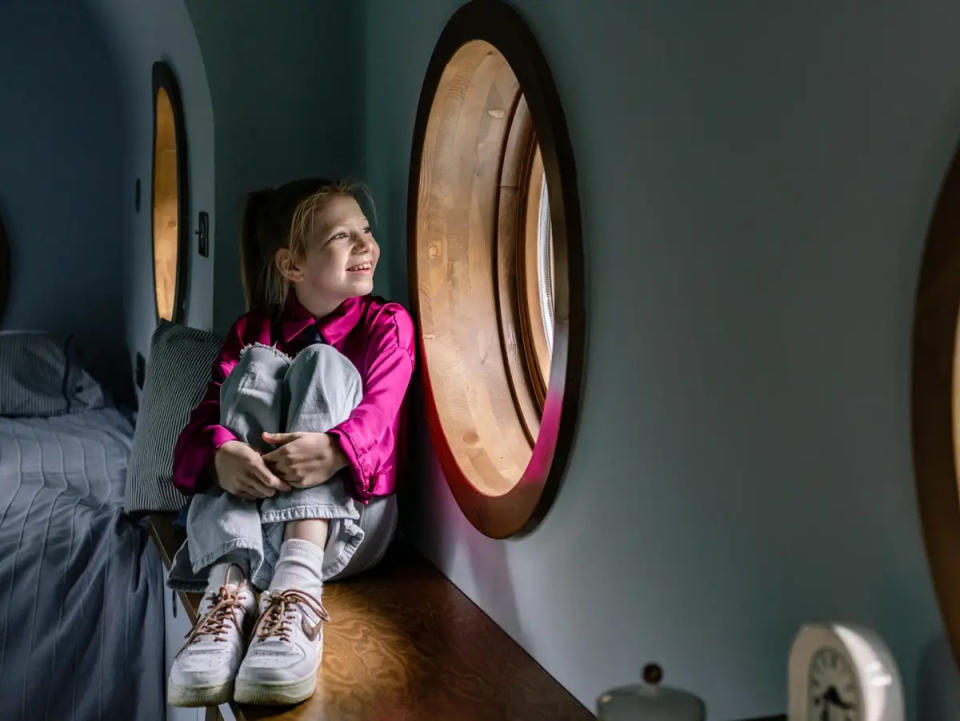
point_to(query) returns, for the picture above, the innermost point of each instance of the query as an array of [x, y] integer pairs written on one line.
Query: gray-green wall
[[756, 181], [139, 33], [61, 126], [285, 81]]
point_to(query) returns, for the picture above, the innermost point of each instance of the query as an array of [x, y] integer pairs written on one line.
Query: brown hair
[[283, 217]]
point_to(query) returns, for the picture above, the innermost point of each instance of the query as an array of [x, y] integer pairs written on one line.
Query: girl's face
[[341, 257]]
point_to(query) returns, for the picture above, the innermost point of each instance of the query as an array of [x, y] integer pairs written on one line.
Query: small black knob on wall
[[203, 234]]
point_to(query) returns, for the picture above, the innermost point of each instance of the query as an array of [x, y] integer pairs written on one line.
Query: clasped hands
[[301, 460]]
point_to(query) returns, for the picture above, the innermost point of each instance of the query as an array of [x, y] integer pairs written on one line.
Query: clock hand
[[832, 696]]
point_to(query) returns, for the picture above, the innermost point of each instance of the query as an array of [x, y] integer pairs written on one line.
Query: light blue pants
[[269, 391]]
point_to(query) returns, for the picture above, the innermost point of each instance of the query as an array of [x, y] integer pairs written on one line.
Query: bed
[[81, 583]]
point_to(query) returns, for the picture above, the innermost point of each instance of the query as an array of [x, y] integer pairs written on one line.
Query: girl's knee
[[257, 361], [326, 362], [319, 353], [260, 354]]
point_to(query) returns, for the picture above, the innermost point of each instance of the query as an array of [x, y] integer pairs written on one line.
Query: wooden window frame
[[936, 401], [502, 445], [522, 339], [164, 79], [538, 350]]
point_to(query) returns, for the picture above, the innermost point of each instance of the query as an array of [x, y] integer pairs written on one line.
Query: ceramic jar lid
[[649, 701]]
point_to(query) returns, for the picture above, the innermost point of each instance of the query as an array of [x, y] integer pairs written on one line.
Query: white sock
[[299, 566], [234, 564]]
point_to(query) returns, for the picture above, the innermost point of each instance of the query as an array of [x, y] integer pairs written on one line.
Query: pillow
[[177, 374], [43, 375]]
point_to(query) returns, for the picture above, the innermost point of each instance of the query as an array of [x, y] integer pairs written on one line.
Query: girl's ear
[[287, 266]]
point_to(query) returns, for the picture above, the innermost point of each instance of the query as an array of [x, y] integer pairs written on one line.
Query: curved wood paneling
[[170, 196], [535, 337], [936, 395], [519, 144], [484, 58]]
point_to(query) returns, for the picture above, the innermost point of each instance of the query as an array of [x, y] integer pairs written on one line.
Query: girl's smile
[[341, 257]]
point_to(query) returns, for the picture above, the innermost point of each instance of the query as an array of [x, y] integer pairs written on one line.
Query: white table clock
[[842, 672]]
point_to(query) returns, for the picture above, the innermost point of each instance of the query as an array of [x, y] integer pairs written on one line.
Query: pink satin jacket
[[377, 337]]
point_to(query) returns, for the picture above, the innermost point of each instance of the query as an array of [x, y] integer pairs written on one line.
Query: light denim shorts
[[269, 391]]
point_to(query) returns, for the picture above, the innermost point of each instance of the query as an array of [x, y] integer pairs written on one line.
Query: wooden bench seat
[[405, 644]]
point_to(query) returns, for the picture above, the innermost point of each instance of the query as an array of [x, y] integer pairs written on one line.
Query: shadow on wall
[[106, 358], [429, 495], [937, 694]]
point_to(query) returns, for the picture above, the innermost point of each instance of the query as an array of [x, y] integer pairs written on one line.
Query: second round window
[[496, 269]]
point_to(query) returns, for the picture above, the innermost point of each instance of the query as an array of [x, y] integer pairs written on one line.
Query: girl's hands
[[242, 472], [304, 459]]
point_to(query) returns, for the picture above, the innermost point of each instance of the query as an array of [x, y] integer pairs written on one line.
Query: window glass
[[545, 265]]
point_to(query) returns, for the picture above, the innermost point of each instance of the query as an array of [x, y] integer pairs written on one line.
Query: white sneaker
[[203, 671], [285, 650]]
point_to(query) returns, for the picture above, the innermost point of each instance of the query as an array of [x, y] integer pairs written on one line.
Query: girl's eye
[[343, 234]]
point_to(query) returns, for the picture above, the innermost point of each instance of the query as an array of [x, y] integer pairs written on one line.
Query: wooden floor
[[403, 643]]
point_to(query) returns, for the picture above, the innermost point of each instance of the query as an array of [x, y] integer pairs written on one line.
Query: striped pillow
[[177, 373], [43, 375]]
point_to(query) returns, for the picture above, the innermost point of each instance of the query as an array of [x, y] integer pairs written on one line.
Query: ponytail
[[255, 258]]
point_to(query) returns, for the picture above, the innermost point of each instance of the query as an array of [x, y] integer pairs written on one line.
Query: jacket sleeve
[[203, 434], [368, 436]]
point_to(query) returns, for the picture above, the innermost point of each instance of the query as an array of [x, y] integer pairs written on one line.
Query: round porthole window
[[170, 195], [495, 261], [936, 400]]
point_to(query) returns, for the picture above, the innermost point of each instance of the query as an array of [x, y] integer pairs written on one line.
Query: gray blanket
[[81, 610]]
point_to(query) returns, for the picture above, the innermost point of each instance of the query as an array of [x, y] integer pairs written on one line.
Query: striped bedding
[[81, 610]]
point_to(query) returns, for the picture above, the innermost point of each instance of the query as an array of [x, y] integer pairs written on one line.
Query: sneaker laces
[[215, 621], [281, 611]]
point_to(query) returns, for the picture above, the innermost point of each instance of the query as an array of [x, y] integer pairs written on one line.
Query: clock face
[[833, 693]]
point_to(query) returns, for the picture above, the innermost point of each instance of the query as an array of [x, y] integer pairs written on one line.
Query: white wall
[[141, 32], [756, 181]]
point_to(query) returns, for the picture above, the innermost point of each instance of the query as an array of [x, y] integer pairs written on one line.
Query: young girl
[[291, 455]]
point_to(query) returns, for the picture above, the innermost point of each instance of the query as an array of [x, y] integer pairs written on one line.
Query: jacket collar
[[333, 327]]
